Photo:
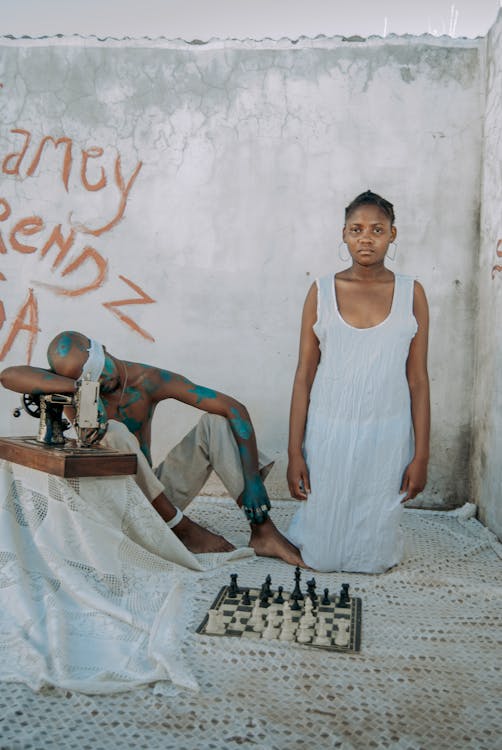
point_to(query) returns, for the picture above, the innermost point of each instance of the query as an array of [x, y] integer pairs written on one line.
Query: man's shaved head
[[68, 352]]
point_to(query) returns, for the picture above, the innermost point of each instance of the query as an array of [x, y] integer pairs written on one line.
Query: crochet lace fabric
[[428, 674]]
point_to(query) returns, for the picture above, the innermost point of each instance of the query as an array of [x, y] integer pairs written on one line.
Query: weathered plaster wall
[[487, 424], [209, 183]]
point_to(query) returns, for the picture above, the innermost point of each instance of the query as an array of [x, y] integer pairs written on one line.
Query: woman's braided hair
[[371, 199]]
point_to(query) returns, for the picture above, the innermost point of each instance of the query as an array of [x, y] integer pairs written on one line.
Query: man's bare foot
[[199, 539], [267, 541], [196, 538]]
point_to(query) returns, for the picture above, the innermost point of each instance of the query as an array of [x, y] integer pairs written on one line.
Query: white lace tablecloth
[[93, 584], [429, 674]]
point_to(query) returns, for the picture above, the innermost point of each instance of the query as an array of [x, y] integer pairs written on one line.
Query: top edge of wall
[[320, 40]]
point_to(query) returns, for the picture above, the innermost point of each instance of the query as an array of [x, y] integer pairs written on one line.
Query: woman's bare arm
[[308, 360], [415, 475]]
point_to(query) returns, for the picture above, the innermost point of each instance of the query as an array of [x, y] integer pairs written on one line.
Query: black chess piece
[[344, 600], [266, 586], [246, 599], [264, 596], [233, 589], [295, 606], [311, 586], [326, 601], [279, 599], [297, 592]]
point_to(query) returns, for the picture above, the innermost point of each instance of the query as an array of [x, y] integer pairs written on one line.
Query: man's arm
[[35, 380], [165, 384]]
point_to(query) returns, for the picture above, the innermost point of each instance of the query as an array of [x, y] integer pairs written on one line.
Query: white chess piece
[[215, 623], [287, 632], [289, 623], [270, 633], [256, 621], [305, 632], [322, 638], [342, 636]]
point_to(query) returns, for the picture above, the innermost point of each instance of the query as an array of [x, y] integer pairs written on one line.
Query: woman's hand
[[414, 479], [298, 478]]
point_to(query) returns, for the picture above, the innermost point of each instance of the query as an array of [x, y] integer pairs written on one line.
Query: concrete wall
[[487, 424], [209, 183]]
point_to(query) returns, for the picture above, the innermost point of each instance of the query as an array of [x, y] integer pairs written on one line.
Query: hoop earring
[[393, 256], [340, 248]]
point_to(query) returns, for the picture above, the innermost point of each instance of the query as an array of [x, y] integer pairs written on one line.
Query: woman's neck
[[365, 273]]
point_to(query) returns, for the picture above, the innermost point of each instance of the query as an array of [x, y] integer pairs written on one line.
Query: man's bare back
[[130, 392]]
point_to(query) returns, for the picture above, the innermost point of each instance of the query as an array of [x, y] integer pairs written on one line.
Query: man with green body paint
[[223, 440]]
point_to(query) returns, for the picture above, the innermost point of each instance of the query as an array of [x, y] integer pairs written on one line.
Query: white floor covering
[[429, 674]]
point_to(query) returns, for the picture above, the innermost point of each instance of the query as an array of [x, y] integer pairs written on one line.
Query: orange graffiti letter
[[88, 253], [2, 308], [144, 299], [67, 157], [124, 190], [3, 216], [64, 245], [26, 227], [19, 156], [6, 210], [92, 153], [29, 310], [497, 269]]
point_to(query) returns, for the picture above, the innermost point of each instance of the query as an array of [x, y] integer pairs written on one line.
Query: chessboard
[[322, 621]]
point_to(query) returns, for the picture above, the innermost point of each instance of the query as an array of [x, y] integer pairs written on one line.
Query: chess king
[[223, 439]]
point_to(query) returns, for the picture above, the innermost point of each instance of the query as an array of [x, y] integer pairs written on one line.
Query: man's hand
[[255, 501]]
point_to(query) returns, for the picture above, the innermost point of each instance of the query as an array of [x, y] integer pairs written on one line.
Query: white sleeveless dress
[[358, 438]]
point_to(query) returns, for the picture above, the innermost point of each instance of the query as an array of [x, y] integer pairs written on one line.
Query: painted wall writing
[[195, 192], [498, 252], [77, 267]]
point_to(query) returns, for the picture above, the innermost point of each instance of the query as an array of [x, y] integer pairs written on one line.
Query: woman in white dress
[[360, 414]]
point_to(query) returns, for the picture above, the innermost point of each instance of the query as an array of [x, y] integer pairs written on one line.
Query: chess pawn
[[308, 616], [304, 634], [322, 638], [287, 632], [270, 633], [287, 617], [257, 622], [342, 636]]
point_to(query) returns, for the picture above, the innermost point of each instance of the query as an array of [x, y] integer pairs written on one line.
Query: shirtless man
[[129, 392]]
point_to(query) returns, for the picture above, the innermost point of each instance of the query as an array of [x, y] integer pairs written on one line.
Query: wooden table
[[69, 460]]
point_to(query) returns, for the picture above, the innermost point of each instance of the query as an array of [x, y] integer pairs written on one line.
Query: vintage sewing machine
[[90, 422], [54, 453]]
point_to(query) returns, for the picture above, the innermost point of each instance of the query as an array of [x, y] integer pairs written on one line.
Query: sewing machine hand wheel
[[31, 405]]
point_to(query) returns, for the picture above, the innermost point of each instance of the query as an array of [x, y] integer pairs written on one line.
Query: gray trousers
[[209, 446]]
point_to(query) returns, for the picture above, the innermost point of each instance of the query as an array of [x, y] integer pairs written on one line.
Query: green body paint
[[132, 424], [64, 345], [145, 449], [108, 366], [242, 426], [202, 393]]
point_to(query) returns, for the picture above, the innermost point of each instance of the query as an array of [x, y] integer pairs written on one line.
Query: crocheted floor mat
[[429, 674]]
